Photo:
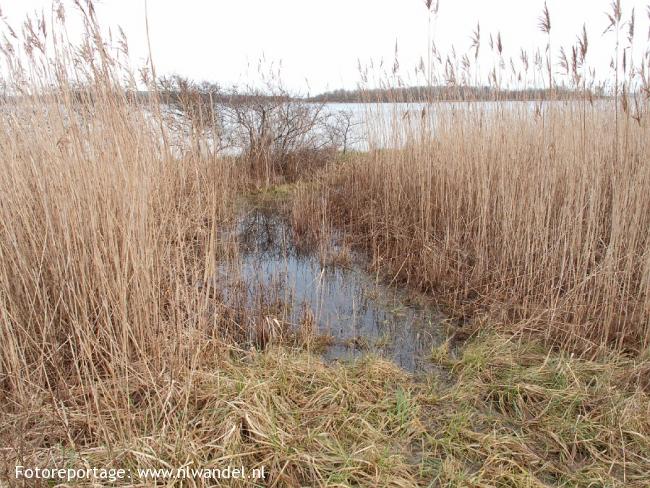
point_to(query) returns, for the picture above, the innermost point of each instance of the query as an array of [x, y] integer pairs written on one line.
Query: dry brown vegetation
[[118, 352], [540, 219], [537, 212]]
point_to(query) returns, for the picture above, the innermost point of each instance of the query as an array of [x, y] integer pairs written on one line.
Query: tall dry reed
[[501, 211], [537, 211], [104, 233]]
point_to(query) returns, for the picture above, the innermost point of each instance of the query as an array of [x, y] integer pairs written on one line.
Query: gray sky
[[320, 43]]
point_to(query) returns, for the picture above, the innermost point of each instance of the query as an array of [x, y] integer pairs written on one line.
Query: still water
[[356, 312]]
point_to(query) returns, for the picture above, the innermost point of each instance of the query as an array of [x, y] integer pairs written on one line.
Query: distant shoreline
[[423, 94]]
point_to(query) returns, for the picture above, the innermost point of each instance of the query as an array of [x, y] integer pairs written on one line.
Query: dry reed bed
[[103, 235], [541, 217]]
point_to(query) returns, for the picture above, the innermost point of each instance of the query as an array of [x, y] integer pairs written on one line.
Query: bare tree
[[341, 129]]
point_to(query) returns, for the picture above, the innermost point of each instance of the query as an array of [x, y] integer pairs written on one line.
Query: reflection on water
[[359, 314]]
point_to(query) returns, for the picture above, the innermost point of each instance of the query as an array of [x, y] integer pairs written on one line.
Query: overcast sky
[[320, 43]]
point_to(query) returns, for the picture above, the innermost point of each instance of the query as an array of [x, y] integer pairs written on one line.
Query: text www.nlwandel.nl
[[117, 474]]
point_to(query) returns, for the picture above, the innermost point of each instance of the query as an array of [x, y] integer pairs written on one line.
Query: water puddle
[[353, 311]]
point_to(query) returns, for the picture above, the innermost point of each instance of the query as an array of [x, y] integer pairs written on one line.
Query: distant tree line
[[448, 93], [416, 94]]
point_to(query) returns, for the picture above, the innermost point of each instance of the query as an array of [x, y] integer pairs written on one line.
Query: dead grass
[[513, 414], [306, 423], [520, 416]]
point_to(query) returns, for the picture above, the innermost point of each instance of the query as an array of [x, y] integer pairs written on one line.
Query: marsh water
[[354, 312]]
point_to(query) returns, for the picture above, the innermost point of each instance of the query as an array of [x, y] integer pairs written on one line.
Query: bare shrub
[[276, 132], [273, 133]]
